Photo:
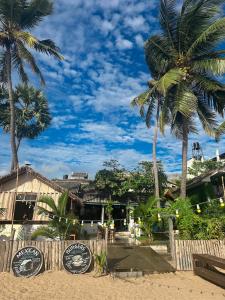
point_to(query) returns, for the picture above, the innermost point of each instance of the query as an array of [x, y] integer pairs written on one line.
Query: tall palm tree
[[154, 102], [18, 18], [61, 224], [32, 114], [187, 52]]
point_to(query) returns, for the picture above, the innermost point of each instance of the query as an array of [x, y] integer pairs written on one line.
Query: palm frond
[[186, 102], [45, 232], [171, 78], [217, 29], [18, 64], [62, 203], [168, 20], [207, 118], [210, 66], [34, 13], [50, 202], [26, 55], [206, 83], [48, 47], [220, 131]]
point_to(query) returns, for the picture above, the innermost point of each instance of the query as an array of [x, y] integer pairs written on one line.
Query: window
[[24, 208]]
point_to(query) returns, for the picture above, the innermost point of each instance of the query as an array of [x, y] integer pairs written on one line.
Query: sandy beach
[[61, 285]]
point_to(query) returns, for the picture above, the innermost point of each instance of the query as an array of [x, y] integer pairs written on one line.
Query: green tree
[[32, 115], [62, 223], [108, 181], [187, 52], [18, 18], [141, 180], [201, 167]]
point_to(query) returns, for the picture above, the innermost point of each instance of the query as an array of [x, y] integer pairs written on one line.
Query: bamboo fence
[[185, 248], [52, 251]]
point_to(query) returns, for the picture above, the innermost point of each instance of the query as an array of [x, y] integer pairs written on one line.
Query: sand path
[[61, 285]]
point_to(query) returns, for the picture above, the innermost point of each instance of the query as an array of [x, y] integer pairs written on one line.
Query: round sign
[[27, 262], [77, 258]]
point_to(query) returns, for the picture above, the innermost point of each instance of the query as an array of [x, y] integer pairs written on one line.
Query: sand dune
[[61, 285]]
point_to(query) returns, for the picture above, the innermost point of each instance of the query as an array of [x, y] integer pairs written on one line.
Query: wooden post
[[106, 234], [103, 215], [223, 187], [172, 239], [11, 249]]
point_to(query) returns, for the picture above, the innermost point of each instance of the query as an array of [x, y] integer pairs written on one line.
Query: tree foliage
[[32, 114], [121, 184], [201, 167], [185, 62], [62, 223]]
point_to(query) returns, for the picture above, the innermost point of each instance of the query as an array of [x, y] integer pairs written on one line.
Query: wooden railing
[[185, 248], [52, 251]]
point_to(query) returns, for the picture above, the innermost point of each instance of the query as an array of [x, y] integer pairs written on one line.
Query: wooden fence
[[185, 248], [52, 251]]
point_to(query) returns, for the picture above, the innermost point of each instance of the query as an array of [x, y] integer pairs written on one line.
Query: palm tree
[[32, 115], [154, 102], [186, 52], [62, 223], [18, 18]]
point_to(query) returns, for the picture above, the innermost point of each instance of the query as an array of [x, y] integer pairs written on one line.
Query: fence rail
[[185, 248], [52, 251]]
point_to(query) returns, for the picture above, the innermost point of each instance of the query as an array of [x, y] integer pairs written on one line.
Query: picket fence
[[52, 251]]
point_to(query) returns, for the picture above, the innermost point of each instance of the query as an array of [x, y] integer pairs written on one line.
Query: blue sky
[[90, 91]]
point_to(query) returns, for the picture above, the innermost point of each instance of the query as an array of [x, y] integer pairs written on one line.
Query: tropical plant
[[18, 18], [101, 263], [186, 56], [147, 213], [62, 223], [31, 113]]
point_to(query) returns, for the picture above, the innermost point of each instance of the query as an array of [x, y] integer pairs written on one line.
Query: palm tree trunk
[[184, 161], [155, 166], [14, 163]]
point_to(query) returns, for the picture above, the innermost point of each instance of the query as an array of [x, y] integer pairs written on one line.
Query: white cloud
[[136, 23], [139, 40], [123, 44]]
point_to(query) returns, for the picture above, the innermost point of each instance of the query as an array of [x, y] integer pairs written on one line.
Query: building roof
[[203, 177], [30, 171]]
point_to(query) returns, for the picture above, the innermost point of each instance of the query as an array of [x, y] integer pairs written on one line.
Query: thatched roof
[[28, 170]]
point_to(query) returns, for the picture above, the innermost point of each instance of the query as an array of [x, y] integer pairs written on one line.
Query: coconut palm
[[32, 115], [61, 223], [186, 52], [154, 102], [18, 18]]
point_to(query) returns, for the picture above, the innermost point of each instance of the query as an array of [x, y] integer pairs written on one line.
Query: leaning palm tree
[[32, 114], [18, 18], [61, 223], [187, 52]]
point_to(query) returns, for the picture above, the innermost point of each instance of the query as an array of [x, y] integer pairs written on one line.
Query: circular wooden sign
[[27, 262], [77, 258]]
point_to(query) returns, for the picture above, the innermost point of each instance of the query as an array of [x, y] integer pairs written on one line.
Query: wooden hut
[[20, 192]]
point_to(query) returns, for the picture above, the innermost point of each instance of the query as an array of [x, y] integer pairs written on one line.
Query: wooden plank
[[214, 277]]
